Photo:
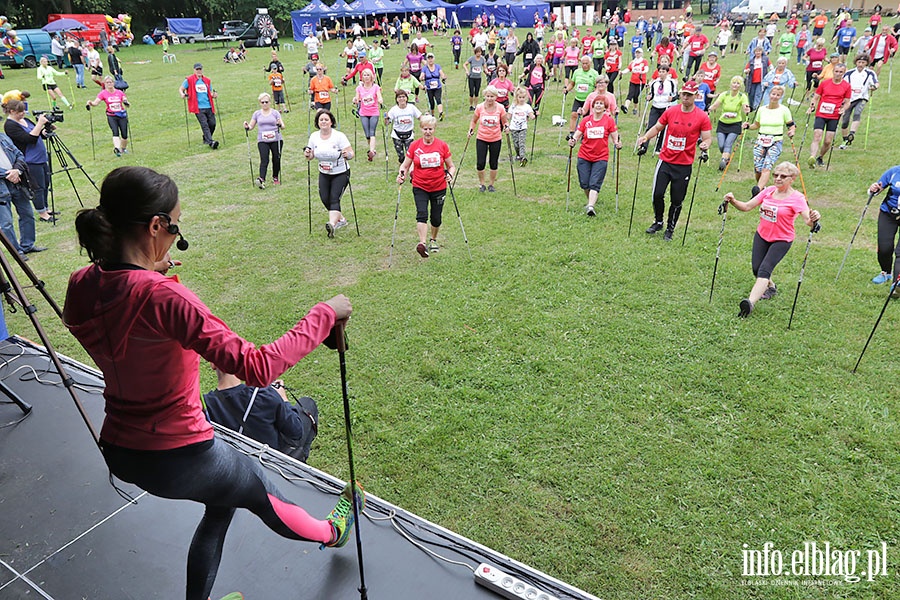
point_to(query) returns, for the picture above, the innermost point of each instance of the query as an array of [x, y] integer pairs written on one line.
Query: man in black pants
[[264, 414], [684, 125]]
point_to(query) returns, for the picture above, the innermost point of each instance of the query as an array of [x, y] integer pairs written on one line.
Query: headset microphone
[[181, 244], [172, 229]]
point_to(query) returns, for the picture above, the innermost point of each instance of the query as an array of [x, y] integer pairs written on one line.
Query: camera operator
[[116, 115], [13, 190], [28, 138]]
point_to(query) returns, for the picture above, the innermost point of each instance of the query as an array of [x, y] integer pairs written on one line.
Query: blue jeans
[[79, 75], [40, 178], [18, 198]]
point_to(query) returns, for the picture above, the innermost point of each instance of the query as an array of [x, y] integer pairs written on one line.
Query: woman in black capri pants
[[332, 149]]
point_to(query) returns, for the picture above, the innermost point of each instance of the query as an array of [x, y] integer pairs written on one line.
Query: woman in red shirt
[[612, 60], [147, 333], [594, 132], [490, 121], [432, 171]]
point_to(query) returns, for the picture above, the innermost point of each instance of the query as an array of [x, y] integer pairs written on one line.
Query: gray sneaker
[[589, 211], [433, 246], [340, 224], [769, 293]]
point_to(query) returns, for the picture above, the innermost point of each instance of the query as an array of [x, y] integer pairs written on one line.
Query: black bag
[[120, 83]]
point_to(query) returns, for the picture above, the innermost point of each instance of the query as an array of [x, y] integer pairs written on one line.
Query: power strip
[[506, 585]]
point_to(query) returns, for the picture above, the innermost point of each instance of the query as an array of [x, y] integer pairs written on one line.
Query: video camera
[[53, 116]]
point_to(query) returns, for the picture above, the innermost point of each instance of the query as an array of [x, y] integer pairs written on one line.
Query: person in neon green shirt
[[582, 81], [772, 121], [407, 83], [47, 76], [376, 55], [598, 49], [786, 44], [735, 105]]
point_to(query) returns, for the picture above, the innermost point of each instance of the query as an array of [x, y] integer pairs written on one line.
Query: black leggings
[[215, 474], [331, 188], [676, 177], [434, 97], [537, 94], [118, 126], [611, 88], [767, 255], [887, 235], [423, 199], [481, 153], [265, 148], [474, 87], [401, 146]]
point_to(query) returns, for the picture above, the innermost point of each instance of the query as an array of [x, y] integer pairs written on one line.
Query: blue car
[[35, 44]]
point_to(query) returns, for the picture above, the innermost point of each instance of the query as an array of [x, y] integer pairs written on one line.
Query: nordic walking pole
[[249, 154], [877, 321], [91, 118], [730, 158], [341, 339], [637, 173], [814, 229], [512, 171], [855, 231], [309, 195], [352, 203], [799, 170], [723, 210], [221, 116], [562, 115], [830, 152], [394, 232], [187, 129], [704, 156], [569, 174], [618, 153], [463, 229], [462, 158], [534, 132], [384, 140], [803, 139], [868, 120]]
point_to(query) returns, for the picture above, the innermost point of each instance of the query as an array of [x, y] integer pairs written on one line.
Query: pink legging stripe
[[299, 521]]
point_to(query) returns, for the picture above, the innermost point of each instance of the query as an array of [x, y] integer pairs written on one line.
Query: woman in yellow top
[[47, 76]]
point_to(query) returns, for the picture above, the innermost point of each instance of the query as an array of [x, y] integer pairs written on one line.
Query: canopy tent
[[373, 7], [417, 5], [518, 12], [63, 25], [468, 10]]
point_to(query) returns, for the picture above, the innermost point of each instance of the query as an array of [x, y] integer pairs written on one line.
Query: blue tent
[[468, 10], [416, 5], [373, 7], [520, 12]]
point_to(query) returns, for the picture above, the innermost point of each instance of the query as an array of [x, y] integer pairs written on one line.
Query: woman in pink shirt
[[779, 205], [116, 115], [503, 85], [147, 333], [368, 102], [490, 121]]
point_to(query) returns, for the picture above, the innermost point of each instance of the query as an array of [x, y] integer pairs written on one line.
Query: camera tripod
[[14, 294], [63, 156]]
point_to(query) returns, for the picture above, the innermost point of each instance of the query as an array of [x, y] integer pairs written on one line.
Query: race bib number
[[404, 121], [323, 96], [200, 87], [326, 165], [490, 121], [816, 64], [571, 62], [476, 70], [696, 45], [268, 136], [676, 144], [856, 90], [827, 108], [729, 115], [582, 88], [768, 213], [430, 160], [433, 84], [595, 133], [115, 106], [502, 93], [368, 100], [529, 56], [277, 81], [766, 140], [456, 46]]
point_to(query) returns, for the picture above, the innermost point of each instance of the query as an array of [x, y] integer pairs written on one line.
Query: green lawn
[[568, 395]]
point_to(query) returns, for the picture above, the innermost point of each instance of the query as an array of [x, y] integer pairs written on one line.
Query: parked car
[[157, 33], [234, 28], [35, 44]]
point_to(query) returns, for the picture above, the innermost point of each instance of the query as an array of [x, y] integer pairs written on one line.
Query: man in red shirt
[[830, 100], [587, 42], [695, 46], [684, 125], [881, 48]]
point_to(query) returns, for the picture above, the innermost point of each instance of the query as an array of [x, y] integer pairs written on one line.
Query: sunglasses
[[781, 176], [263, 101]]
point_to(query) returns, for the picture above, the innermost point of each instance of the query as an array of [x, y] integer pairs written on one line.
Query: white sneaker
[[340, 224]]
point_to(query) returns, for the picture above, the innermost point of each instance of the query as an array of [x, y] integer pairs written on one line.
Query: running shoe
[[523, 162], [491, 188], [276, 181], [882, 278], [589, 210], [655, 227], [260, 183], [342, 518], [422, 250], [895, 293], [746, 307], [433, 245], [723, 163], [117, 152], [770, 292], [340, 224], [811, 161], [820, 162], [667, 236], [329, 228]]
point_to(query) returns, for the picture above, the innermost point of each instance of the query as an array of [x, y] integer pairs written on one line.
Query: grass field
[[568, 395]]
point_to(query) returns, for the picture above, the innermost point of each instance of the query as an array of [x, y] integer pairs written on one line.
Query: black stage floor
[[65, 533]]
